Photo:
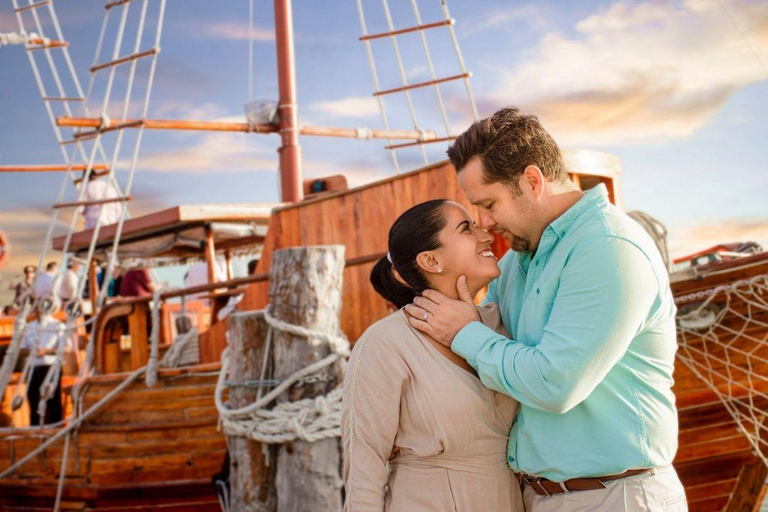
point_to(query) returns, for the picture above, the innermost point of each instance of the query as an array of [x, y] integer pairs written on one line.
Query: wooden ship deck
[[157, 448]]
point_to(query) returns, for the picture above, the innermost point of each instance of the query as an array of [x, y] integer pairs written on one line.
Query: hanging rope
[[310, 419], [658, 233], [724, 341]]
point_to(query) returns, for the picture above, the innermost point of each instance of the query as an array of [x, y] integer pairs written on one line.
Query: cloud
[[353, 106], [684, 241], [237, 31], [502, 17], [639, 72], [214, 151]]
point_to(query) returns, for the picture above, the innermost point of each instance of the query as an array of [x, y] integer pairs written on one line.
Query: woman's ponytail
[[384, 282]]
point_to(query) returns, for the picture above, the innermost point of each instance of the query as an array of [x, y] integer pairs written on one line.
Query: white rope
[[658, 233], [431, 68], [185, 350], [460, 58], [9, 38], [403, 76], [309, 419], [379, 98], [726, 348]]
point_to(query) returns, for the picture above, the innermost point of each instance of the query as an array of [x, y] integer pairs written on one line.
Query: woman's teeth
[[487, 254]]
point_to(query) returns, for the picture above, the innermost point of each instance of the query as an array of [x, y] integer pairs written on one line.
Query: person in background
[[24, 285], [235, 299], [137, 282], [46, 280], [98, 190], [42, 342], [68, 286]]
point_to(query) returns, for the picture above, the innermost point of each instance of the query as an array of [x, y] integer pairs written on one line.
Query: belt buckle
[[530, 480]]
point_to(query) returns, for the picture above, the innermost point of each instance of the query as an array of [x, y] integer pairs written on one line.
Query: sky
[[677, 89]]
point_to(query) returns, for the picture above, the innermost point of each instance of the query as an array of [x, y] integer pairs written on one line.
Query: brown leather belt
[[544, 487]]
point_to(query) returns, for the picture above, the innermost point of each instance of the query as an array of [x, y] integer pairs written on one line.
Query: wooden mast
[[290, 151]]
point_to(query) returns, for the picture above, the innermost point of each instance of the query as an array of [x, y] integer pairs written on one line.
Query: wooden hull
[[150, 447], [157, 447]]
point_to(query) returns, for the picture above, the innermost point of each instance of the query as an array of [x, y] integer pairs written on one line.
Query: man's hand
[[441, 317]]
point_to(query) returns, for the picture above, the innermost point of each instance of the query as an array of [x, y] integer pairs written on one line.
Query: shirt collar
[[594, 197]]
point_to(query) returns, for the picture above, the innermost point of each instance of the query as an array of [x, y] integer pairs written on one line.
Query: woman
[[406, 390]]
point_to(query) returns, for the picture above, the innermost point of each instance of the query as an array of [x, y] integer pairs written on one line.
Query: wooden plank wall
[[359, 219]]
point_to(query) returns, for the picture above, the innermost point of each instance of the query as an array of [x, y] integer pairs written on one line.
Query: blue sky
[[677, 89]]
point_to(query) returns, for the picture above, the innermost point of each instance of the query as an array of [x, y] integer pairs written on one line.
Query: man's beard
[[519, 244]]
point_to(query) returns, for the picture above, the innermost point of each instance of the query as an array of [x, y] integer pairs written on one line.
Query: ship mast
[[290, 151]]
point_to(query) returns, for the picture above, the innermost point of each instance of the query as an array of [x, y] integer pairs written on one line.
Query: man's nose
[[486, 222]]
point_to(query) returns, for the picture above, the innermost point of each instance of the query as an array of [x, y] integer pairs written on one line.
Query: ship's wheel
[[3, 249]]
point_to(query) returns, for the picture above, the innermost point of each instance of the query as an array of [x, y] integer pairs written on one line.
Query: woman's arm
[[375, 378]]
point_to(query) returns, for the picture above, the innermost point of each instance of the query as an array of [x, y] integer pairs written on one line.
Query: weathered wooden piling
[[251, 479], [305, 290]]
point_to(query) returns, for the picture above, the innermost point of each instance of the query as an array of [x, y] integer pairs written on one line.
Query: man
[[23, 286], [137, 282], [98, 190], [585, 297], [68, 287], [46, 280], [41, 342]]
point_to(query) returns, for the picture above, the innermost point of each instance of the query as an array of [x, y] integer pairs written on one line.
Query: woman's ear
[[429, 263]]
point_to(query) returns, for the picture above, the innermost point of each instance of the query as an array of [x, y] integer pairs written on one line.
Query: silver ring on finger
[[426, 314]]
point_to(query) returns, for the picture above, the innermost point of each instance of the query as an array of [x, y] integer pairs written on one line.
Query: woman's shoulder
[[388, 332], [383, 345]]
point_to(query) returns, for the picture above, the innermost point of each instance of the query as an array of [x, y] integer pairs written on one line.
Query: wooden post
[[306, 290], [251, 480], [93, 285], [210, 254]]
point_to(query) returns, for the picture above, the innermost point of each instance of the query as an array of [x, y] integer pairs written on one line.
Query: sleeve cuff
[[470, 340]]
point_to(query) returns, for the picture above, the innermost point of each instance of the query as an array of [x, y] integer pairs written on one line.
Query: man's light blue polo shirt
[[592, 322]]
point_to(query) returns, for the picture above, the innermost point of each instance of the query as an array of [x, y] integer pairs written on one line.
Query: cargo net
[[723, 339]]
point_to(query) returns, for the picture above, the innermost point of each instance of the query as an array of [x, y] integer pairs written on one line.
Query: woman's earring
[[439, 270]]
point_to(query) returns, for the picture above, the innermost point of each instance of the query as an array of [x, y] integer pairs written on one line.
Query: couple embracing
[[555, 394]]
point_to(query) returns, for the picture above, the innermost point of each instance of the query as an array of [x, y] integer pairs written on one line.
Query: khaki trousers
[[660, 491]]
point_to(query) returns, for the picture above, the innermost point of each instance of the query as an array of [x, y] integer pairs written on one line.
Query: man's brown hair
[[506, 143]]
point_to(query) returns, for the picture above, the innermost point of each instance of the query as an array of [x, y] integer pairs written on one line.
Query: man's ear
[[533, 180], [428, 262]]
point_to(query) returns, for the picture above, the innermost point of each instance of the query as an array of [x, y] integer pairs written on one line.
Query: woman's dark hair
[[415, 231]]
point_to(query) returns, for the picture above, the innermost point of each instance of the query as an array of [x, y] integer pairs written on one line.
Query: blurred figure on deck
[[24, 285], [98, 190], [68, 286], [137, 282], [46, 280], [42, 342]]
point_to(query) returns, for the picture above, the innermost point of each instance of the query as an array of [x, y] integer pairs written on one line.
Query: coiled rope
[[310, 419]]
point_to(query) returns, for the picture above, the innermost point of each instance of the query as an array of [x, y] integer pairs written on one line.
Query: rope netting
[[723, 339]]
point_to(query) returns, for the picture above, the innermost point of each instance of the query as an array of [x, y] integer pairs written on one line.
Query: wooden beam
[[49, 168], [748, 488], [91, 203], [210, 254], [216, 126], [426, 26]]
